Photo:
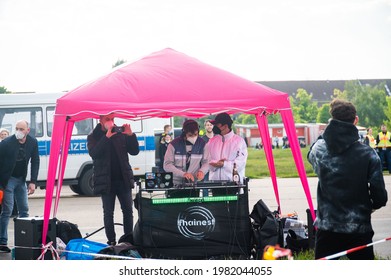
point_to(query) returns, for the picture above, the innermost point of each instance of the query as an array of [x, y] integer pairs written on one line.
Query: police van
[[38, 110]]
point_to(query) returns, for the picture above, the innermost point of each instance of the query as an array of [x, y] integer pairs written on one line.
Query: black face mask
[[216, 130]]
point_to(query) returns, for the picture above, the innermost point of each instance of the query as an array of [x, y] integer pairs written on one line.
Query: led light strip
[[194, 199]]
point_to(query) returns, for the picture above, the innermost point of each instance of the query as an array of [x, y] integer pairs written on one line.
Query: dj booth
[[181, 223]]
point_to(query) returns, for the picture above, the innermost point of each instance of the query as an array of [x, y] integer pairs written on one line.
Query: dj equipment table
[[194, 227]]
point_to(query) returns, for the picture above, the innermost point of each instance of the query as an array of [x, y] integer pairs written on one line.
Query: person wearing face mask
[[225, 149], [163, 148], [109, 146], [16, 152], [186, 155]]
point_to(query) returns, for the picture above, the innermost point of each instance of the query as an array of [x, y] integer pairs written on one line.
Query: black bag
[[296, 243], [121, 249], [266, 228], [67, 231], [126, 238]]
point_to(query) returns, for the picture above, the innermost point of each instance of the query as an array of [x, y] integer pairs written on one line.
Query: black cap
[[222, 118], [190, 126]]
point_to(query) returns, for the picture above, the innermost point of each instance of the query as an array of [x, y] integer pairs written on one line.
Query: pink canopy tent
[[164, 84]]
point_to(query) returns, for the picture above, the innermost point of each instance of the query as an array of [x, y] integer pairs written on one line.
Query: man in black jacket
[[16, 152], [108, 146], [350, 187]]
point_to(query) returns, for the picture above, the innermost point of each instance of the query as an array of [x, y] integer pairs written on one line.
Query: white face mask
[[109, 125], [19, 135], [192, 139]]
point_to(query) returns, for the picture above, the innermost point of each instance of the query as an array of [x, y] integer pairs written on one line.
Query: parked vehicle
[[38, 109]]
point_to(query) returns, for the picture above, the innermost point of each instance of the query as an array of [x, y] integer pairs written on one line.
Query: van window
[[83, 127], [33, 115]]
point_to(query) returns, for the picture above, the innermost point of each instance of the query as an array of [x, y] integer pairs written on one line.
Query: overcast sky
[[52, 45]]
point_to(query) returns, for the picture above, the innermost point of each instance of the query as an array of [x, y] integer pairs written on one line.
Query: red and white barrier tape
[[50, 247], [95, 255], [56, 256], [43, 249], [343, 253]]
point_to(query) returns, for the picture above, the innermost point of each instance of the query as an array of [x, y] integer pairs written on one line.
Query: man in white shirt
[[225, 149]]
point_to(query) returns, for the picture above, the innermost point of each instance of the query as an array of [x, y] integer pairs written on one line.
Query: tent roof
[[164, 84], [168, 83]]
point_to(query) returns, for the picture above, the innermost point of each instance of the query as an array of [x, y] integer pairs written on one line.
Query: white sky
[[53, 45]]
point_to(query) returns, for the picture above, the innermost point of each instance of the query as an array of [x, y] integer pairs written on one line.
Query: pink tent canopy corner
[[164, 84]]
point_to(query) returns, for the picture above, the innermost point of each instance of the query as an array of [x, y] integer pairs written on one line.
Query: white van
[[38, 109]]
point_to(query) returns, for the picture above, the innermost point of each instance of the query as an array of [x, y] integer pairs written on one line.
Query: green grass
[[284, 163], [305, 255], [310, 255]]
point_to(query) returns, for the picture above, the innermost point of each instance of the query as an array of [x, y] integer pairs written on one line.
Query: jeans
[[15, 191], [385, 156], [124, 194]]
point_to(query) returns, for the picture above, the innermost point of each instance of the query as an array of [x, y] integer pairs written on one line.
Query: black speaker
[[28, 236]]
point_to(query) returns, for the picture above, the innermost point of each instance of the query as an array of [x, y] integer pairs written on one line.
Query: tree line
[[372, 103]]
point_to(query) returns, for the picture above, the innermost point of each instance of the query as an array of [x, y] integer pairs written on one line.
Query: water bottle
[[235, 175]]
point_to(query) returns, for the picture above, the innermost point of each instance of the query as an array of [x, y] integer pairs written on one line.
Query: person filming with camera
[[109, 146]]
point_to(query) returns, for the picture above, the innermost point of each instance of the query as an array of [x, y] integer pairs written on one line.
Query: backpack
[[266, 228], [67, 231]]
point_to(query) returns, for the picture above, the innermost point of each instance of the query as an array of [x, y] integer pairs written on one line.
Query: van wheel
[[85, 183], [75, 189]]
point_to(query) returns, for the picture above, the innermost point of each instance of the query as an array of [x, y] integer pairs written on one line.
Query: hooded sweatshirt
[[351, 183]]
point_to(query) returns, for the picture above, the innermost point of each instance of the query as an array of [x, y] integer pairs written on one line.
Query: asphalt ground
[[86, 212]]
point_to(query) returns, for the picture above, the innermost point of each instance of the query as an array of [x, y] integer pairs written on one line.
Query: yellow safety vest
[[384, 140], [372, 141]]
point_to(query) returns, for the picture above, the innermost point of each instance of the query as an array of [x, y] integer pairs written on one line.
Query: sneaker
[[5, 249]]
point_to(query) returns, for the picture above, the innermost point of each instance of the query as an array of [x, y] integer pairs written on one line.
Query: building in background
[[307, 133]]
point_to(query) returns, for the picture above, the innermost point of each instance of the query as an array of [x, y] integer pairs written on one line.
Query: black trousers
[[328, 243], [124, 194]]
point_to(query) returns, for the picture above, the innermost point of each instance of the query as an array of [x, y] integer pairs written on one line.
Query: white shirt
[[233, 148]]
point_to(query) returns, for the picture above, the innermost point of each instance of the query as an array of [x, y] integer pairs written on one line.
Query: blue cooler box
[[82, 249]]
